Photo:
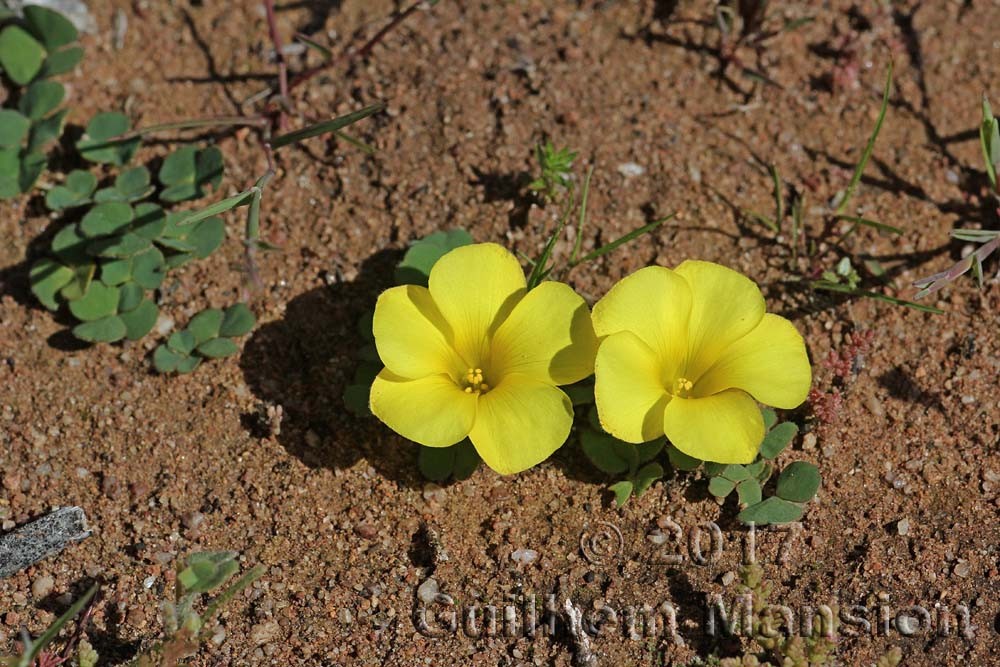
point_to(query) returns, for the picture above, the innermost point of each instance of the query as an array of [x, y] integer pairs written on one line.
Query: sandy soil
[[333, 505]]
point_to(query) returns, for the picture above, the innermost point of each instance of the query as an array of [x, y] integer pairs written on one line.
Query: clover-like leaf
[[116, 271], [603, 452], [798, 482], [105, 330], [720, 487], [770, 418], [140, 320], [30, 168], [436, 463], [217, 348], [735, 472], [771, 510], [206, 236], [98, 143], [682, 461], [50, 27], [61, 62], [76, 191], [148, 268], [150, 220], [41, 98], [622, 490], [238, 320], [205, 325], [123, 245], [777, 439], [647, 474], [130, 297], [182, 342], [749, 492], [356, 401], [415, 267], [10, 168], [647, 451], [14, 128], [467, 460], [83, 276], [106, 219], [204, 572], [186, 173], [47, 277], [99, 301], [21, 55], [47, 130], [166, 360]]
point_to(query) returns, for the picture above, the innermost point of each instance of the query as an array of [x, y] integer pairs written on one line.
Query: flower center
[[473, 381], [682, 386]]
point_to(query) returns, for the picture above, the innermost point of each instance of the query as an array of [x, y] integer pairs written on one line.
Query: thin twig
[[272, 28]]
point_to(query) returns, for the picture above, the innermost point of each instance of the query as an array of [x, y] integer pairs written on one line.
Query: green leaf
[[206, 237], [47, 130], [50, 27], [205, 325], [31, 167], [869, 147], [356, 399], [31, 656], [217, 348], [150, 221], [182, 342], [436, 463], [777, 439], [130, 298], [96, 145], [61, 62], [601, 449], [682, 461], [735, 472], [21, 55], [130, 185], [10, 167], [772, 510], [106, 219], [648, 474], [83, 276], [47, 277], [647, 451], [238, 320], [76, 191], [749, 492], [125, 245], [325, 127], [165, 360], [714, 469], [99, 301], [720, 487], [770, 418], [186, 173], [580, 393], [13, 128], [105, 330], [989, 141], [41, 98], [116, 271], [416, 264], [70, 246], [622, 240], [798, 482], [622, 491], [140, 320], [148, 269], [466, 460]]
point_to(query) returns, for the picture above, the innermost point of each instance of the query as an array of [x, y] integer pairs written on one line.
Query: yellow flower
[[478, 355], [685, 353]]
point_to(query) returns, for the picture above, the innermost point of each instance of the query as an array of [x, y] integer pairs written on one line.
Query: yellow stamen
[[474, 381], [682, 386]]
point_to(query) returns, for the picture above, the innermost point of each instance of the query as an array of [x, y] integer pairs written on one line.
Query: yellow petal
[[653, 303], [548, 336], [520, 423], [475, 287], [725, 306], [432, 411], [628, 390], [770, 363], [724, 428], [412, 337]]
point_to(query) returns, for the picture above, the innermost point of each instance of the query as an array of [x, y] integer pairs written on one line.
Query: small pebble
[[728, 578], [428, 591], [903, 527], [345, 616], [962, 569], [809, 441], [631, 169], [264, 633], [42, 586], [524, 556]]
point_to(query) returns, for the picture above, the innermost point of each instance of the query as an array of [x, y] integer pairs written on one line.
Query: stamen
[[474, 381], [682, 386]]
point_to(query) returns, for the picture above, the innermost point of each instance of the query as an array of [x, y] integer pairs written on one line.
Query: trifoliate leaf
[[46, 131], [622, 491], [205, 325], [602, 451], [140, 320], [749, 492], [771, 510], [14, 128], [720, 487], [777, 439], [130, 298], [50, 27], [106, 219], [61, 62], [41, 98], [182, 342], [238, 320], [217, 348], [682, 461], [416, 265], [76, 191], [99, 301], [647, 474], [47, 277], [148, 268], [96, 145]]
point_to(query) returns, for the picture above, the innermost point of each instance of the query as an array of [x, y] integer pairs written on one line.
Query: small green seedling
[[34, 652], [555, 169], [209, 335], [185, 628]]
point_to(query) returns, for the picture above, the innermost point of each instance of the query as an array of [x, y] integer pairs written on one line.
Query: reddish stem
[[272, 28]]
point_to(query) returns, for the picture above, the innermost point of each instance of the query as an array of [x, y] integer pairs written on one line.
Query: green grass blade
[[880, 226], [860, 169], [583, 216], [634, 234], [227, 204], [779, 199], [828, 286], [328, 126], [38, 645]]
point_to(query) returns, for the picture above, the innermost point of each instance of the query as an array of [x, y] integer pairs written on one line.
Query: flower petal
[[653, 303], [520, 423], [628, 389], [475, 287], [431, 411], [411, 335], [770, 363], [725, 306], [725, 428], [548, 336]]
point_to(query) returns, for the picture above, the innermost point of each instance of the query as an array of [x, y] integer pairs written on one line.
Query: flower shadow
[[303, 362]]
